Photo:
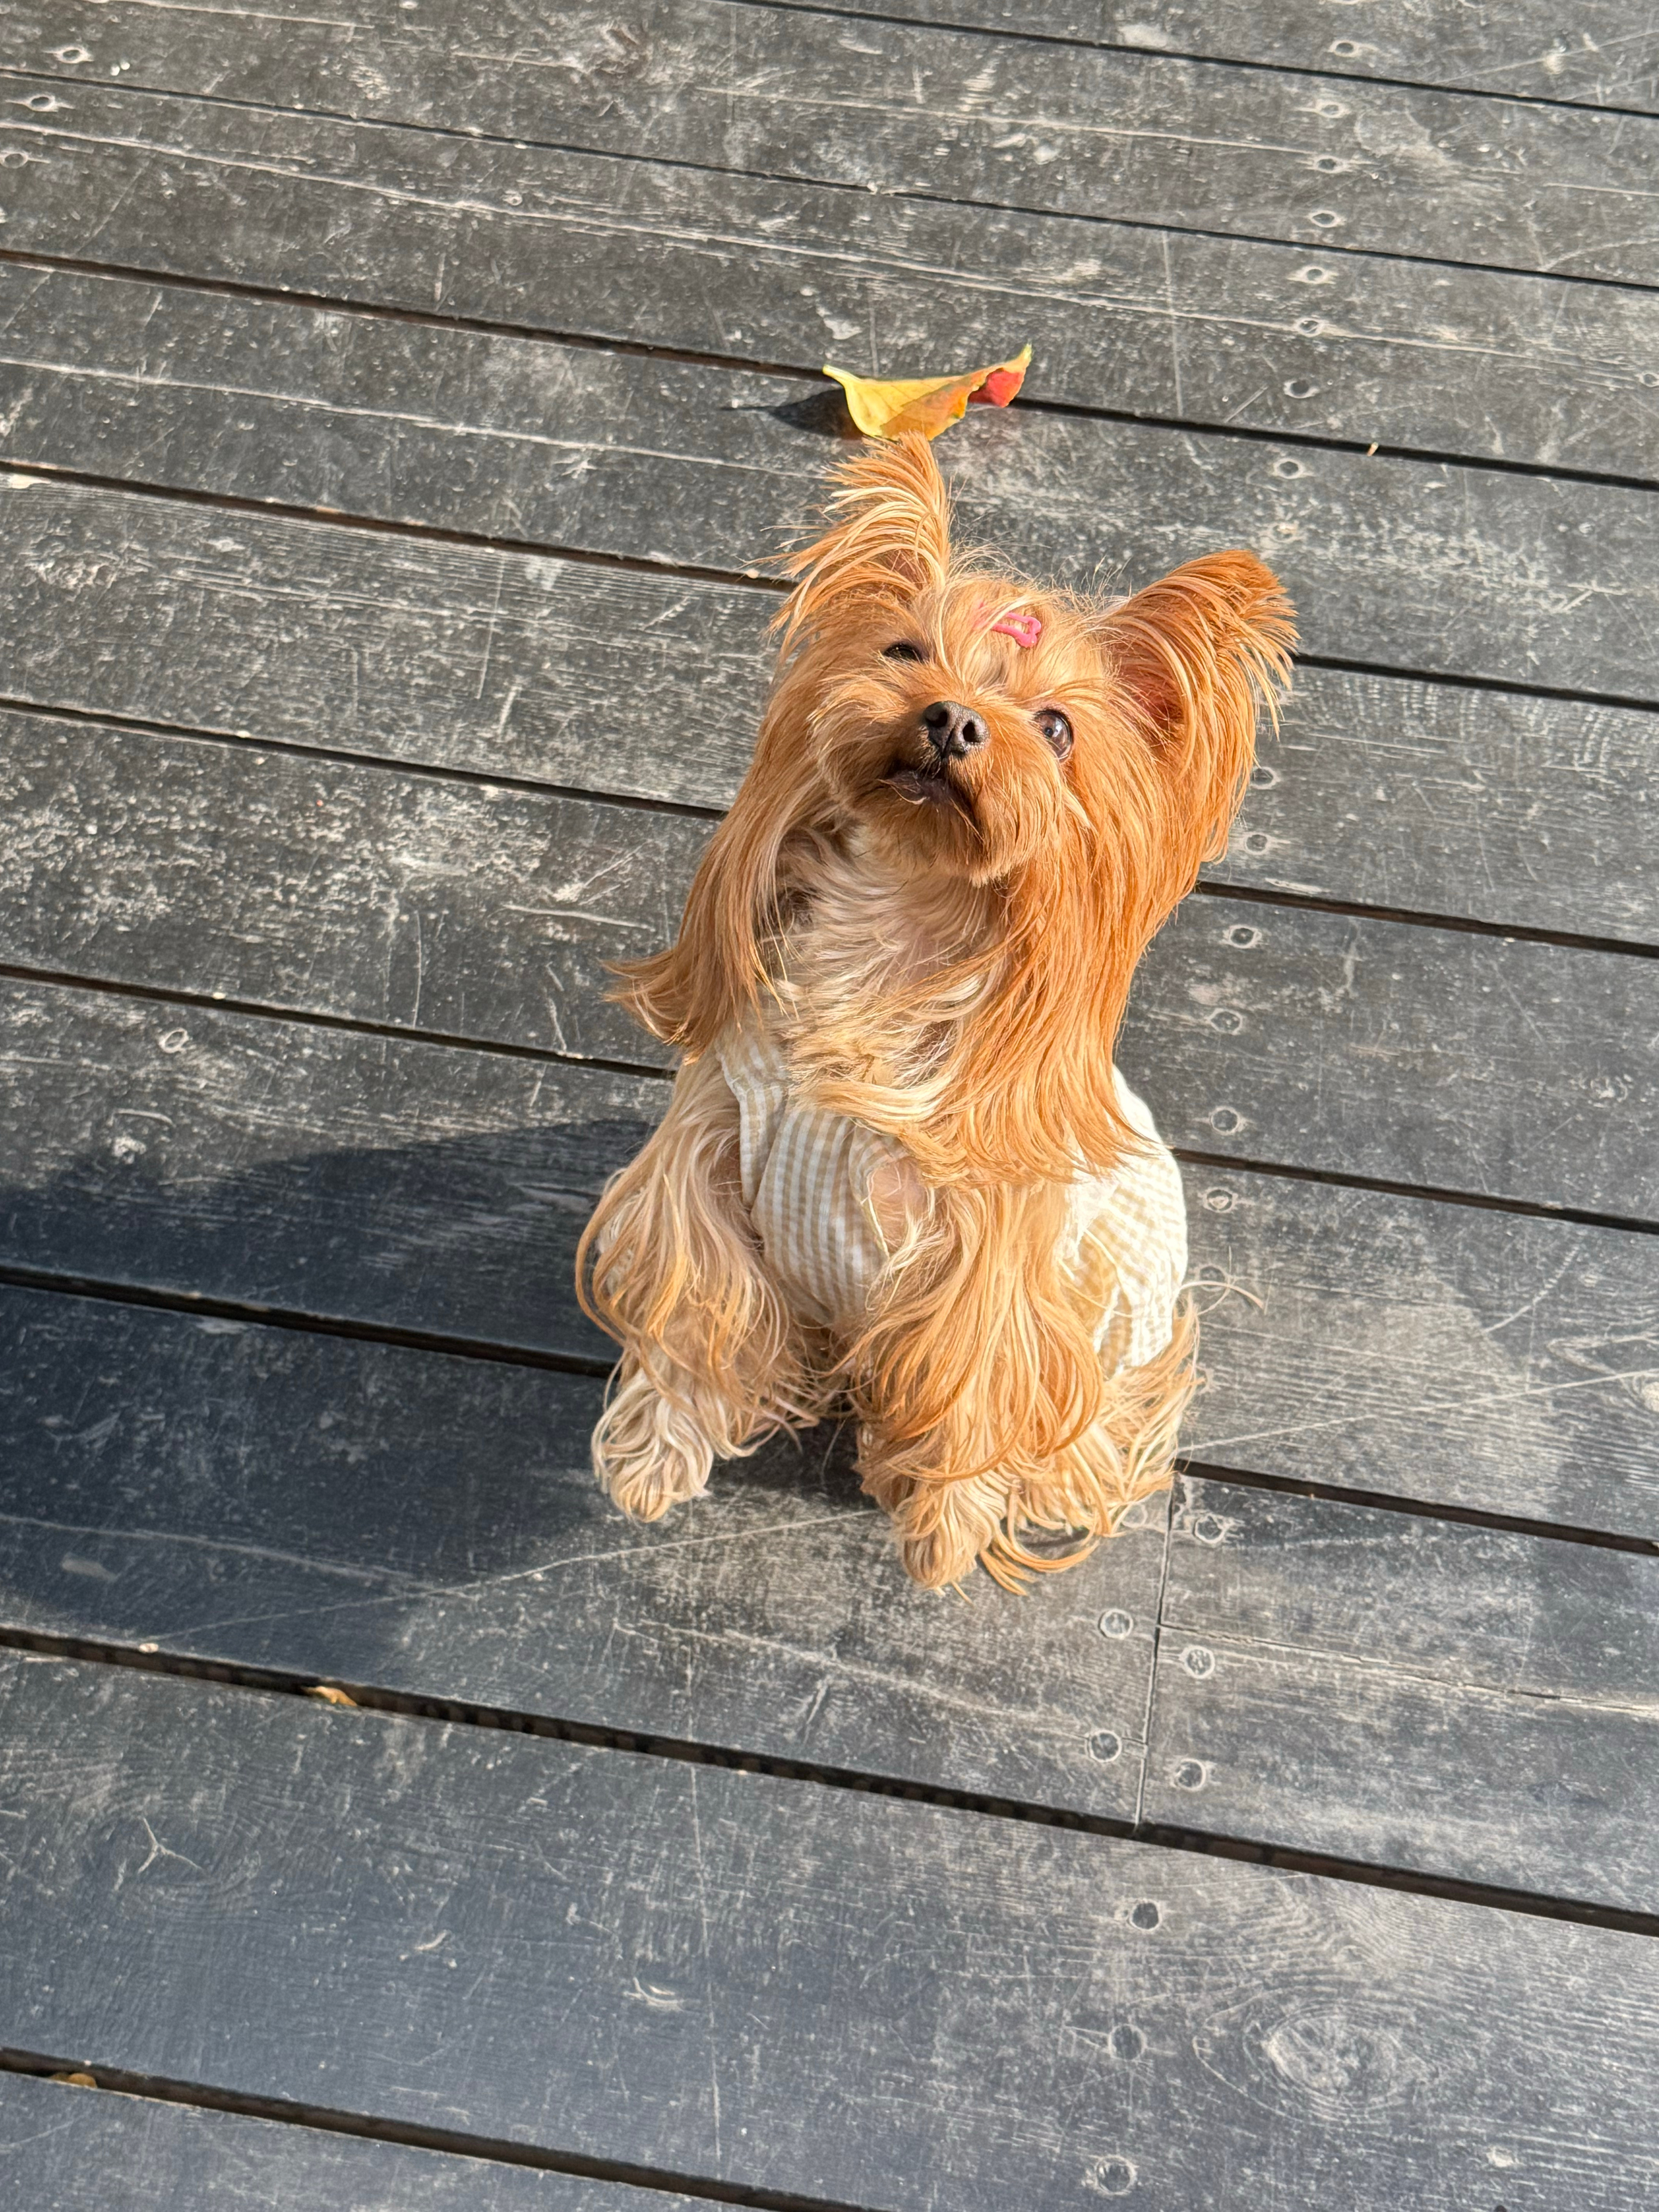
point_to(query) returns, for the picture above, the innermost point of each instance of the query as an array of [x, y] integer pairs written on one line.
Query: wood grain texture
[[397, 1184], [896, 109], [368, 893], [1446, 1353], [1410, 1692], [1488, 806], [1436, 1058], [1277, 1035], [1431, 567], [1399, 1346], [1141, 321], [1478, 804], [64, 2149], [301, 632], [428, 1525], [729, 1977], [1593, 52]]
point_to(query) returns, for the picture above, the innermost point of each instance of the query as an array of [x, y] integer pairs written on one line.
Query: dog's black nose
[[951, 730]]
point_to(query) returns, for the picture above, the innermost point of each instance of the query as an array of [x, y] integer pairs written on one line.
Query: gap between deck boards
[[367, 1698], [327, 2120], [737, 579], [541, 333], [598, 794]]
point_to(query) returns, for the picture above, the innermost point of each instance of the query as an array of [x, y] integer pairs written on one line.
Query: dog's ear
[[1198, 653], [715, 971], [887, 533], [887, 536]]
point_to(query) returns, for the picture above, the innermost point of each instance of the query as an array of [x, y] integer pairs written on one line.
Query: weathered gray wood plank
[[1410, 1692], [785, 1987], [514, 664], [1141, 321], [1479, 805], [370, 893], [67, 2149], [1437, 568], [397, 1183], [1266, 1033], [1440, 1058], [1451, 1354], [1592, 53], [1589, 53], [1400, 1346], [966, 117], [1538, 813], [430, 1525]]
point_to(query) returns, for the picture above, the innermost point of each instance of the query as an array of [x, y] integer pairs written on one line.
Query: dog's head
[[1078, 761]]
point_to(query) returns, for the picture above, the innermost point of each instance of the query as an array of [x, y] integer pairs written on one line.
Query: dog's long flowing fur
[[952, 976]]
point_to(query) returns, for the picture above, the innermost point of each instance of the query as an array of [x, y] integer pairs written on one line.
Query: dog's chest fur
[[874, 972]]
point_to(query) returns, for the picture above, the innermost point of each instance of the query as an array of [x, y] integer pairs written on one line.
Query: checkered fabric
[[806, 1182]]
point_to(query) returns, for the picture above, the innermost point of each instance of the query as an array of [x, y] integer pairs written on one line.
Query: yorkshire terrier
[[899, 1171]]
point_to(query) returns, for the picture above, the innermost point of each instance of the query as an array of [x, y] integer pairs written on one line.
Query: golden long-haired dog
[[899, 1170]]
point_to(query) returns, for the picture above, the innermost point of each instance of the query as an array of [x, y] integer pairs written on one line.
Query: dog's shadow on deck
[[292, 1497]]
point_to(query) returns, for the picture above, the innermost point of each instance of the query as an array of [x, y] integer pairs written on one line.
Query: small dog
[[899, 1170]]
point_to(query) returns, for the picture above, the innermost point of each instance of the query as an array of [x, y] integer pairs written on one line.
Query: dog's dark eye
[[902, 649], [1056, 729]]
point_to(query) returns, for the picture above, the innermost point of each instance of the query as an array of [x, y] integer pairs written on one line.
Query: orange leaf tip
[[886, 407]]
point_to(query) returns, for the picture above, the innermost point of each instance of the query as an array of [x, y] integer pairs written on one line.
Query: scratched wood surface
[[1147, 321], [129, 2153], [900, 108], [316, 1170], [1594, 52], [430, 1525], [1457, 1355], [1493, 806], [1409, 1692], [1590, 53], [1485, 1360], [1302, 1038], [378, 678], [1431, 567], [1066, 2014], [1398, 1691]]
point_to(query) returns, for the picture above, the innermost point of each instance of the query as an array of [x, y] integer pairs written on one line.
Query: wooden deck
[[399, 403]]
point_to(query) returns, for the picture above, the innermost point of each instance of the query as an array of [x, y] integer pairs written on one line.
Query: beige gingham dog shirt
[[807, 1183]]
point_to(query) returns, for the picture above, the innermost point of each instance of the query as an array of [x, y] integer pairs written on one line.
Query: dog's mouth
[[927, 786]]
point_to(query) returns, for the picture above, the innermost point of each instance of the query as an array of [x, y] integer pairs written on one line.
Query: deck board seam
[[1149, 1713], [367, 1698], [1242, 62], [494, 2150], [744, 364], [735, 579], [634, 802], [883, 191], [354, 1025], [189, 1304], [1202, 1468]]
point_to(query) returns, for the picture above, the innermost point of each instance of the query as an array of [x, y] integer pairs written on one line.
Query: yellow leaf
[[77, 2081], [328, 1694], [886, 407]]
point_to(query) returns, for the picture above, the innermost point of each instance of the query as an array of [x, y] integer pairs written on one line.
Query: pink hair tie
[[1025, 629]]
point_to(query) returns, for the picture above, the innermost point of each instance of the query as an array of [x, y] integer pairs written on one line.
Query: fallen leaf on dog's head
[[886, 407]]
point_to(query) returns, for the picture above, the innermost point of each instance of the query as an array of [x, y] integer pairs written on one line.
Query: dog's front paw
[[648, 1452], [943, 1526]]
